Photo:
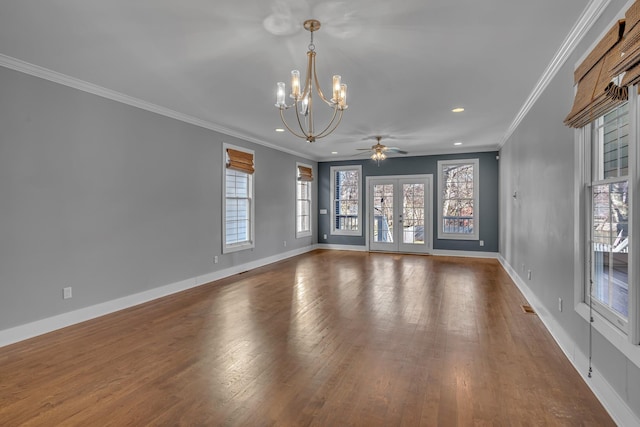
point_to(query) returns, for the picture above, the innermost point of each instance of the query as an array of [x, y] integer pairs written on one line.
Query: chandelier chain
[[311, 46]]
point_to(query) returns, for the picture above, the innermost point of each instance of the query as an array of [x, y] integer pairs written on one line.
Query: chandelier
[[303, 97]]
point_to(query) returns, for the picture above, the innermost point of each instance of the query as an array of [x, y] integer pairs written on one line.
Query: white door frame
[[428, 212]]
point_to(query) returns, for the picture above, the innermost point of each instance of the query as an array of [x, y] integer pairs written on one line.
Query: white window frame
[[476, 200], [611, 315], [303, 233], [340, 232], [625, 341], [235, 247]]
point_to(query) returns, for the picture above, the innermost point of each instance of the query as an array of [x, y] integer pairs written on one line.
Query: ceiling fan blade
[[375, 137], [396, 150], [363, 149]]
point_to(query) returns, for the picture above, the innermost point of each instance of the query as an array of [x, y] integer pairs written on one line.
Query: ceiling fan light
[[378, 155]]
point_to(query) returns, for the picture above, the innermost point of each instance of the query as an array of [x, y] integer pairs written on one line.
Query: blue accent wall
[[412, 166]]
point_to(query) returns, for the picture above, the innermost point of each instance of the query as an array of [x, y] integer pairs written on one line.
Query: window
[[346, 190], [607, 210], [238, 209], [606, 116], [458, 199], [304, 177]]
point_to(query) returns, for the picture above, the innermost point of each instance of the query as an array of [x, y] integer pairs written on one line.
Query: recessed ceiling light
[[458, 110], [279, 130], [457, 143], [334, 152]]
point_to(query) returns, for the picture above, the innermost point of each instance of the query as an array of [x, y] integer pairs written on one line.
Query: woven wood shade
[[629, 48], [632, 76], [610, 39], [240, 161], [305, 173], [595, 95]]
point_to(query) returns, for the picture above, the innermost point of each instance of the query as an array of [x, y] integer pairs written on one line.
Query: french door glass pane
[[413, 213], [383, 213]]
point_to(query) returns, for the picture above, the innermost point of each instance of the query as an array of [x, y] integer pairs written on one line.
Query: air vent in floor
[[527, 309]]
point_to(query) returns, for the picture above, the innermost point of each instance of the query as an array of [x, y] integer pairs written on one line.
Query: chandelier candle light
[[303, 95]]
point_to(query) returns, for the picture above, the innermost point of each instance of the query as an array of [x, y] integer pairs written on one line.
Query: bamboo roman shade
[[630, 47], [593, 77], [240, 161], [616, 55], [305, 173]]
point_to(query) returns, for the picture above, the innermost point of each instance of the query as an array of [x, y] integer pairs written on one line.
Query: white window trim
[[476, 200], [301, 234], [627, 343], [333, 171], [236, 247]]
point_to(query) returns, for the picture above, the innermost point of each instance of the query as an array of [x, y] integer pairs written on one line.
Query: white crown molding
[[592, 12], [63, 79]]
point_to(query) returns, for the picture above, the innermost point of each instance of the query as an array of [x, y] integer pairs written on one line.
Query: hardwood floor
[[329, 338]]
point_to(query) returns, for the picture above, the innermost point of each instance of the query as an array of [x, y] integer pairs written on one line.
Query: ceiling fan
[[378, 150]]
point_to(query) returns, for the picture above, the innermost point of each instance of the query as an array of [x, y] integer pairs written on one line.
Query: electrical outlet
[[529, 274], [324, 236], [215, 259], [285, 243], [481, 242], [559, 304], [66, 293]]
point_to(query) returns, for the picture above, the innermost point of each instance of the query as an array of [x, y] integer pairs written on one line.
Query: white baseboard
[[342, 247], [610, 399], [436, 252], [465, 254], [50, 324]]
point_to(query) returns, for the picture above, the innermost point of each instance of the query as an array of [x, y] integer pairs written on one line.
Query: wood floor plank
[[323, 339]]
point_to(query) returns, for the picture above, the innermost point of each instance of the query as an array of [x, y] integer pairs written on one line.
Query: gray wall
[[537, 228], [113, 200], [419, 165]]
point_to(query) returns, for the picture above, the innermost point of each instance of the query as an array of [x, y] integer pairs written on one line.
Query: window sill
[[345, 233], [615, 336], [237, 248], [445, 236]]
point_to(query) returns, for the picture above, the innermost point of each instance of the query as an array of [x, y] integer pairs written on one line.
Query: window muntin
[[238, 212], [346, 188], [608, 213], [458, 199], [303, 205]]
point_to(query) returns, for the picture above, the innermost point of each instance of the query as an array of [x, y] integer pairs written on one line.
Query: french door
[[399, 215]]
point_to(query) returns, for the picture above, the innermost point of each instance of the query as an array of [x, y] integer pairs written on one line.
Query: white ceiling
[[407, 63]]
